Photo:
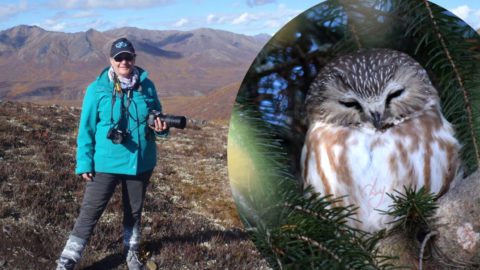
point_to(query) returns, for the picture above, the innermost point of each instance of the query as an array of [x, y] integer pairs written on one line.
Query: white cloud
[[12, 9], [58, 27], [215, 19], [469, 15], [244, 22], [475, 21], [118, 4], [60, 24], [211, 18], [244, 18], [180, 23], [251, 21], [73, 21], [475, 17], [462, 11], [271, 19], [53, 25]]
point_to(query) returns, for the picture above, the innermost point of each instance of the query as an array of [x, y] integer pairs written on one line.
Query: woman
[[115, 145]]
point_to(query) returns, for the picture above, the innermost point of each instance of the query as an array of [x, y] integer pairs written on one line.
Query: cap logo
[[121, 44]]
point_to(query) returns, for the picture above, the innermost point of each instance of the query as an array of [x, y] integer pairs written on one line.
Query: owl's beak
[[376, 119]]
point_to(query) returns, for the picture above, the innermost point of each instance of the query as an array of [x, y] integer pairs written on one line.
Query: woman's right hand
[[87, 176]]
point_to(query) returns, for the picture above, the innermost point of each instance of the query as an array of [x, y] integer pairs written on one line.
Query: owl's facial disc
[[377, 89]]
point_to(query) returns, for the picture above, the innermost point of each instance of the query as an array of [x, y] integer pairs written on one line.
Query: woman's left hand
[[159, 125]]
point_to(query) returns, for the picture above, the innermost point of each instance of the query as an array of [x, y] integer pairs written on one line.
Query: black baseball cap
[[121, 45]]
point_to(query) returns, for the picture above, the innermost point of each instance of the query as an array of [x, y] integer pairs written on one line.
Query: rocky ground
[[189, 218]]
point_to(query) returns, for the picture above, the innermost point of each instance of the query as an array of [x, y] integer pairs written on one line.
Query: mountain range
[[188, 67]]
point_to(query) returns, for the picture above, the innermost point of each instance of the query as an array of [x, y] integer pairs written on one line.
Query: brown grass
[[189, 219]]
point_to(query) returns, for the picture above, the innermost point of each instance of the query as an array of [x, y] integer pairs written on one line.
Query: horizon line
[[134, 27]]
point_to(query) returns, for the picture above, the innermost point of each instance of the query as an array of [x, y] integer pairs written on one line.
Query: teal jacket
[[97, 153]]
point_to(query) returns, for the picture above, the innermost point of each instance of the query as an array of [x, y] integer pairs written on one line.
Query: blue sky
[[240, 16]]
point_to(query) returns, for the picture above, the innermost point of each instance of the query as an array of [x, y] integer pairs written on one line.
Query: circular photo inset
[[355, 126]]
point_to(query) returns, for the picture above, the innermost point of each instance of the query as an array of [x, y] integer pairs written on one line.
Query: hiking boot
[[133, 260], [65, 264]]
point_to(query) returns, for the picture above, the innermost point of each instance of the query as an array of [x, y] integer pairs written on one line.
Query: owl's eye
[[351, 104], [394, 95]]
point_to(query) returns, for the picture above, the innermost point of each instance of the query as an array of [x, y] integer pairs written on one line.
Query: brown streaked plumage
[[375, 125]]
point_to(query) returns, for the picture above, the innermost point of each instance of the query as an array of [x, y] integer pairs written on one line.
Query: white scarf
[[125, 83]]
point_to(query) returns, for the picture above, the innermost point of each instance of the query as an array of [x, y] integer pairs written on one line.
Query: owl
[[375, 126]]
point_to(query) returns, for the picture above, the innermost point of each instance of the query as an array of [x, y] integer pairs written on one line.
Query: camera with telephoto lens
[[171, 120], [116, 135]]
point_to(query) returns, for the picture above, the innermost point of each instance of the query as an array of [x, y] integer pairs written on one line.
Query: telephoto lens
[[171, 120], [174, 120]]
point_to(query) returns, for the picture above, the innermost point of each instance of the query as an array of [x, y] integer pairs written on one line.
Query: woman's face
[[123, 64]]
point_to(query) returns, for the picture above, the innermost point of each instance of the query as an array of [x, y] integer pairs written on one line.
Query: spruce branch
[[412, 210], [351, 24], [459, 79], [321, 247]]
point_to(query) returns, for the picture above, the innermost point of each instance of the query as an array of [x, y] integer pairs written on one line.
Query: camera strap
[[117, 90], [126, 112], [113, 103]]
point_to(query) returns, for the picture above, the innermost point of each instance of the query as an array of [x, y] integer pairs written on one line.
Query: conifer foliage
[[300, 231]]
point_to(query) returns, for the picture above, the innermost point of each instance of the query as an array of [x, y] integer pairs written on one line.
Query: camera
[[116, 135], [171, 120]]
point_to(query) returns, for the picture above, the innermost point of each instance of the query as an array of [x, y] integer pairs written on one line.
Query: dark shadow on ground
[[197, 237], [115, 260], [109, 262]]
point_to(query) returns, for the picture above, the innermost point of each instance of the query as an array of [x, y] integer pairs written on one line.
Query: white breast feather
[[370, 170]]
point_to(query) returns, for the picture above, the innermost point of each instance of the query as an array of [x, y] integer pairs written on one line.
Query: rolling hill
[[54, 67]]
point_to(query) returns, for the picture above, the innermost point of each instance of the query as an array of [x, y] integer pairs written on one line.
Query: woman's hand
[[159, 125], [87, 176]]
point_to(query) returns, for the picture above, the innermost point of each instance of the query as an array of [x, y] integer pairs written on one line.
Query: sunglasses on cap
[[124, 56]]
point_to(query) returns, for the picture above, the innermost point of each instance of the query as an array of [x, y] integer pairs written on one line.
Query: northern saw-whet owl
[[375, 125]]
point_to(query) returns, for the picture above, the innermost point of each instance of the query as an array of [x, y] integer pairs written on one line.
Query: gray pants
[[97, 194]]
